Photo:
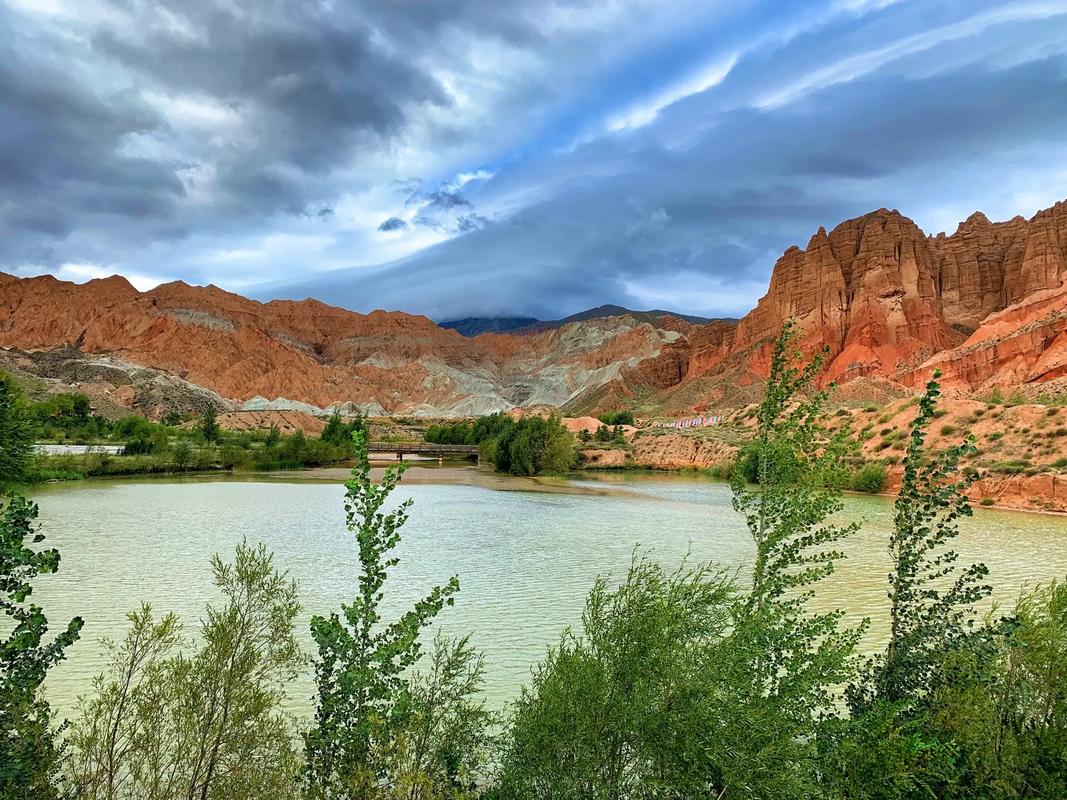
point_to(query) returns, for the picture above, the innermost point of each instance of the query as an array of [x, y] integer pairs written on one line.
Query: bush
[[870, 478], [535, 446], [490, 426], [613, 418], [593, 722], [338, 432], [195, 721]]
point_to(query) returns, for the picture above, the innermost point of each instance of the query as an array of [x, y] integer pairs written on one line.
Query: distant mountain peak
[[473, 326]]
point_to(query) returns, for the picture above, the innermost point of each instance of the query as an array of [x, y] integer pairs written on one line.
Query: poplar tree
[[30, 753], [382, 730]]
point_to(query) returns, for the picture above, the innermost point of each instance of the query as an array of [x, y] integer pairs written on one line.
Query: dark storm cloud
[[570, 153], [714, 215], [126, 122], [311, 87], [61, 153]]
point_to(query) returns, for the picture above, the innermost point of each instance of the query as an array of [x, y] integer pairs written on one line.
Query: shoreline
[[429, 472]]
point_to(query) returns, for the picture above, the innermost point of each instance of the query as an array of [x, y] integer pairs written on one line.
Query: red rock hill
[[986, 305]]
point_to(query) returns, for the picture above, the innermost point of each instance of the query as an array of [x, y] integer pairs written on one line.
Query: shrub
[[1013, 467], [889, 741], [614, 418], [533, 446], [948, 430], [338, 432], [681, 685], [870, 478], [166, 723]]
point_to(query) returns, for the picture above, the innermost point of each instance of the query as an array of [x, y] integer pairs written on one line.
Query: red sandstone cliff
[[887, 299], [986, 305]]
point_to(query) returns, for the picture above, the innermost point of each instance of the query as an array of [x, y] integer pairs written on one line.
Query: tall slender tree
[[16, 432], [373, 735], [797, 656], [30, 753]]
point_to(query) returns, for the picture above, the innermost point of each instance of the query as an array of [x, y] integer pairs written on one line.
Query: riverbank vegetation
[[147, 447], [528, 446], [684, 682]]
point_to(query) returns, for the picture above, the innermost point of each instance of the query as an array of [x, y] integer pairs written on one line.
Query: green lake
[[526, 552]]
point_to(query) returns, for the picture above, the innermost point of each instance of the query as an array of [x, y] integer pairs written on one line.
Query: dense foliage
[[482, 429], [338, 432], [148, 447], [613, 418], [529, 446], [168, 722], [69, 417], [16, 432], [30, 753], [871, 478]]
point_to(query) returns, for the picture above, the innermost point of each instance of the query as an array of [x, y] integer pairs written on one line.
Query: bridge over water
[[439, 451]]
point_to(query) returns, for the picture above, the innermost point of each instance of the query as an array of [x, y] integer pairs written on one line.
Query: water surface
[[526, 552]]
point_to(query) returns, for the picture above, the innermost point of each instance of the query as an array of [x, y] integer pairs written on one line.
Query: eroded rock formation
[[986, 305]]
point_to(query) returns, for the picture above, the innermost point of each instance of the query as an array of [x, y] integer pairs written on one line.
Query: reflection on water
[[525, 558]]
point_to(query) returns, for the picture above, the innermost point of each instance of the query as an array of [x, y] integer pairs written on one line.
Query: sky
[[477, 157]]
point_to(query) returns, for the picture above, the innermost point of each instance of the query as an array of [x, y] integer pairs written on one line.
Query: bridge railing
[[420, 447]]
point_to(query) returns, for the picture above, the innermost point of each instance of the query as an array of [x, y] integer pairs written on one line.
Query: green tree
[[1028, 740], [684, 686], [16, 432], [30, 754], [209, 425], [615, 418], [380, 730], [796, 657], [273, 437], [205, 724], [931, 602], [533, 446], [182, 454], [896, 743], [334, 432]]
